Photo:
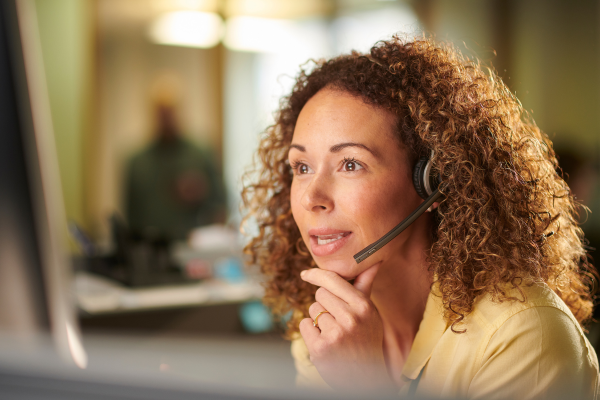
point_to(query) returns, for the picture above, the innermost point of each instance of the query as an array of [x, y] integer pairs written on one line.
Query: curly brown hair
[[507, 216]]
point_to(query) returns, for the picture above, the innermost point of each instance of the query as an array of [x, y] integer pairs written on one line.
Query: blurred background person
[[172, 185]]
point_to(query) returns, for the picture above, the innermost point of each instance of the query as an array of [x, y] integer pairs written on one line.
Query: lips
[[326, 241]]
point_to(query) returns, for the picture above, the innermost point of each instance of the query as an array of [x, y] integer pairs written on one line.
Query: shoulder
[[544, 331], [539, 338], [193, 151], [538, 313], [192, 147], [490, 314], [143, 157]]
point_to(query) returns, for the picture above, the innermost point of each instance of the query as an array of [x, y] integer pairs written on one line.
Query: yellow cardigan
[[512, 349]]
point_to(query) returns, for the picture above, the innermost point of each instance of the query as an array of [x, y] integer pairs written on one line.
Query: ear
[[433, 206]]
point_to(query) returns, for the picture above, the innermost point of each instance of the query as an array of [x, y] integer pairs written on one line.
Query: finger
[[338, 309], [309, 332], [321, 316], [324, 322], [315, 308], [364, 281], [331, 302], [332, 282]]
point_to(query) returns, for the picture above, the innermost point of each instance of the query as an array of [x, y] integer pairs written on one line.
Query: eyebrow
[[297, 146], [339, 147]]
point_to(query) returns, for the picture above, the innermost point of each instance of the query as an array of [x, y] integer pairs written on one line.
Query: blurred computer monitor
[[34, 264]]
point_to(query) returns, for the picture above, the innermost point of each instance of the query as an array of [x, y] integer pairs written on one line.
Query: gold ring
[[315, 322]]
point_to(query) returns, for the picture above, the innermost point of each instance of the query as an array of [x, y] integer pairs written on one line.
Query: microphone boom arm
[[373, 247]]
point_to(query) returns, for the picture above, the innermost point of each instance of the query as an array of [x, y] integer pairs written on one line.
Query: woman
[[484, 296]]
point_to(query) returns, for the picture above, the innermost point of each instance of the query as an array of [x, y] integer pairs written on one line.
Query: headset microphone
[[427, 187]]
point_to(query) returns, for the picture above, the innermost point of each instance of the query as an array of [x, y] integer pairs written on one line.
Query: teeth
[[324, 239]]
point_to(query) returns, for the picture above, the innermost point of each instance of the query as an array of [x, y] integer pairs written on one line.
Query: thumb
[[364, 281]]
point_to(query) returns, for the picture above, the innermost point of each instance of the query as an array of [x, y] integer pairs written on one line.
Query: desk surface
[[98, 295]]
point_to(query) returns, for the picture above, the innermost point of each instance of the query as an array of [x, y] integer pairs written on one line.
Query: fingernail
[[303, 273]]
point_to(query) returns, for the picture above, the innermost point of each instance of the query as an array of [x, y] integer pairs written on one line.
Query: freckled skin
[[367, 201]]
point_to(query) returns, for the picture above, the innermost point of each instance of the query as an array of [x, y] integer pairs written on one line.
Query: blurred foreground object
[[35, 269], [138, 367]]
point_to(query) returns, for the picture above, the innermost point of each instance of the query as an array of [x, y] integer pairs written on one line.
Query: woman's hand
[[347, 346]]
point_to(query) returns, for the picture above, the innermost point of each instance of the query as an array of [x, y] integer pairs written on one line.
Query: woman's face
[[352, 181]]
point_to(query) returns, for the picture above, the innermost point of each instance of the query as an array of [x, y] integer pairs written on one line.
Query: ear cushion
[[419, 177]]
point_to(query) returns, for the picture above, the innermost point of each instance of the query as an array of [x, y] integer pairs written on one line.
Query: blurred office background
[[121, 73]]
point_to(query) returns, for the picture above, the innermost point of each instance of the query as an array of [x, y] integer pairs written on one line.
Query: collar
[[430, 331]]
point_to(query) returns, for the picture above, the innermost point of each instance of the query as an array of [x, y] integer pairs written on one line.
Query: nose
[[317, 195]]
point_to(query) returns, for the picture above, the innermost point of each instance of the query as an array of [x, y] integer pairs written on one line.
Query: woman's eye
[[351, 165], [300, 168]]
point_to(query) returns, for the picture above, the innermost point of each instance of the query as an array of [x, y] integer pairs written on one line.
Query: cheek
[[295, 205], [368, 202], [380, 206]]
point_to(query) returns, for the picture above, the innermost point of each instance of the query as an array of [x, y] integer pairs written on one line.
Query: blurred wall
[[129, 66], [66, 32], [556, 53]]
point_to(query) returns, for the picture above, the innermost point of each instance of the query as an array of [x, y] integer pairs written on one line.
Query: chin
[[347, 269]]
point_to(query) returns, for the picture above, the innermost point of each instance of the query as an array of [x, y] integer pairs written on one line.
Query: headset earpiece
[[424, 182]]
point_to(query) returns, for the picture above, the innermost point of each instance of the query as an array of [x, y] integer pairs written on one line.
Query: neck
[[167, 135], [400, 292]]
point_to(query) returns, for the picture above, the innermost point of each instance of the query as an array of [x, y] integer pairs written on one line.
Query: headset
[[426, 186]]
